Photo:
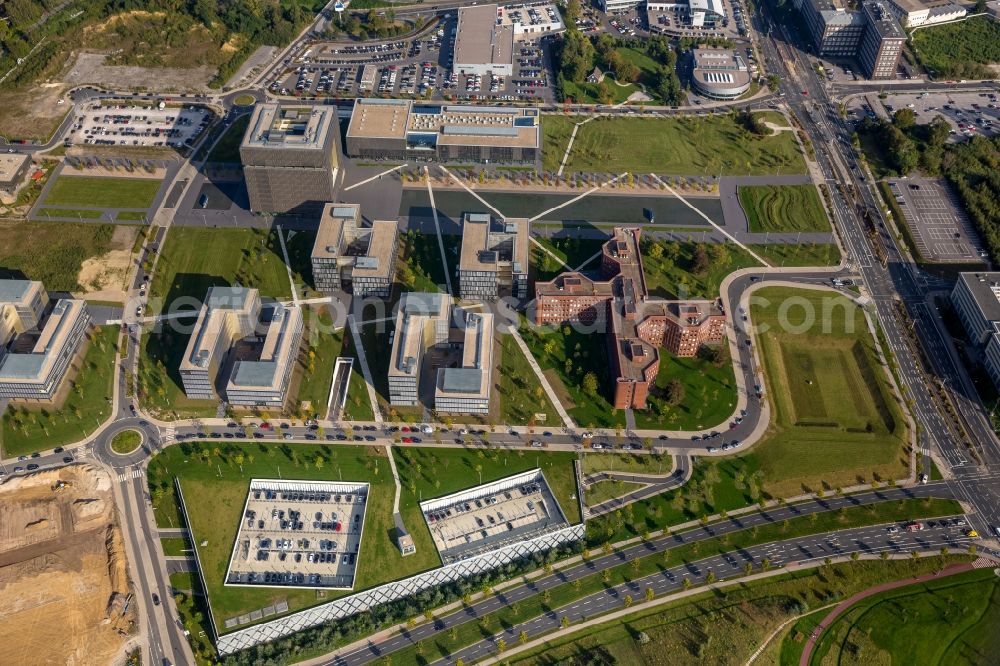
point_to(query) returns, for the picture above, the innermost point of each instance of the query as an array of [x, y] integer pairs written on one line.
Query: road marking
[[378, 175]]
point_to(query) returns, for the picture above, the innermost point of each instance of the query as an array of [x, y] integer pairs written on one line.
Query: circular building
[[720, 73]]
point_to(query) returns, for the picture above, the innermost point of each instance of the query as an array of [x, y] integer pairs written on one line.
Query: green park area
[[686, 145], [951, 620], [691, 393], [623, 461], [835, 420], [960, 50], [602, 491], [51, 252], [551, 256], [103, 192], [783, 208], [320, 350], [27, 429], [522, 397], [193, 259], [227, 148], [726, 626], [215, 479], [126, 442], [420, 267]]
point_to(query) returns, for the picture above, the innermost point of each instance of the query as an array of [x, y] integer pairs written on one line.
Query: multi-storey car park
[[224, 348], [347, 255], [38, 340], [494, 257], [297, 533], [407, 130], [289, 156], [636, 325]]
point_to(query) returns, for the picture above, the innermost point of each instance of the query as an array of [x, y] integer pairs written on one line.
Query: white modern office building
[[976, 298]]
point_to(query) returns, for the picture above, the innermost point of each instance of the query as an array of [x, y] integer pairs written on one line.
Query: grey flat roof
[[21, 366], [422, 303], [883, 20], [254, 373], [461, 380], [13, 290], [987, 296], [471, 130]]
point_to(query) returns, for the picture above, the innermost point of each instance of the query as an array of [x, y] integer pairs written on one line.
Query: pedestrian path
[[572, 138], [288, 266], [567, 421], [168, 434]]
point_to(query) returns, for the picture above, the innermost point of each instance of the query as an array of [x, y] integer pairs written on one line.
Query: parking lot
[[139, 125], [409, 68], [941, 230], [484, 518], [968, 113], [299, 534]]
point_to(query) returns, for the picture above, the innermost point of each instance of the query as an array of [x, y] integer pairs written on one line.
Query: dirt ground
[[90, 68], [32, 113], [108, 273], [63, 574]]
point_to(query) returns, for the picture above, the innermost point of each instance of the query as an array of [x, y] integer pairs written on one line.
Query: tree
[[650, 594], [675, 392], [572, 12], [590, 383], [701, 262], [575, 56], [627, 600], [710, 577], [904, 118], [564, 622], [655, 251], [501, 645], [522, 637]]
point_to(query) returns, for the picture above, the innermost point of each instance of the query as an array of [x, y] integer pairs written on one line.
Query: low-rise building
[[912, 13], [260, 376], [13, 167], [401, 129], [483, 44], [636, 326], [346, 254], [720, 73], [697, 13], [37, 343], [976, 298], [494, 257], [466, 389], [421, 322]]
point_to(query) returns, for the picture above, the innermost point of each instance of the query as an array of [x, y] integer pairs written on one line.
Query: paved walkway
[[568, 202], [288, 266], [847, 603], [567, 421], [572, 138]]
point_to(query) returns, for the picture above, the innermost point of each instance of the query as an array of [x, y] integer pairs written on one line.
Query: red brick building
[[636, 327]]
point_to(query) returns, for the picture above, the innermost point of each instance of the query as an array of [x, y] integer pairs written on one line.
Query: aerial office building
[[289, 157], [13, 166], [401, 129], [37, 343], [976, 298], [636, 326], [698, 13], [912, 13], [720, 73], [346, 254], [261, 371], [872, 35], [427, 323], [494, 258]]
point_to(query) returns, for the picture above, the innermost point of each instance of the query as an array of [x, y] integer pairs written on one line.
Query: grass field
[[192, 260], [571, 250], [783, 208], [723, 627], [602, 491], [315, 386], [620, 461], [835, 421], [228, 147], [673, 274], [159, 387], [686, 145], [709, 394], [960, 50], [126, 441], [29, 429], [804, 254], [566, 355], [215, 504], [589, 93], [948, 621], [419, 267], [521, 394], [51, 252], [107, 192], [176, 547], [131, 216]]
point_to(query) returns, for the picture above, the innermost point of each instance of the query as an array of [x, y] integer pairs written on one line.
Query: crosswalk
[[134, 473], [169, 434]]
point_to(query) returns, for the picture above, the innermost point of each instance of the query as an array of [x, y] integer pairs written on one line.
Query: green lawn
[[673, 272], [51, 252], [566, 355], [65, 212], [835, 421], [193, 260], [27, 429], [160, 389], [621, 461], [126, 441], [176, 547], [228, 147], [571, 250], [804, 254], [686, 145], [952, 620], [590, 93], [602, 491], [321, 355], [960, 50], [709, 393], [783, 208], [106, 192], [215, 505], [521, 394]]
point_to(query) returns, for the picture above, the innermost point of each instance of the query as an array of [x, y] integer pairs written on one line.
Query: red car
[[914, 527], [805, 93], [407, 440]]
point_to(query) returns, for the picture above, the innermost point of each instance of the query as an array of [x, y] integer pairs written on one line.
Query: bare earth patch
[[63, 572], [106, 277], [90, 68], [32, 113]]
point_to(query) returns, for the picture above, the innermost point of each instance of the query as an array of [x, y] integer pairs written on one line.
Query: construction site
[[64, 590]]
